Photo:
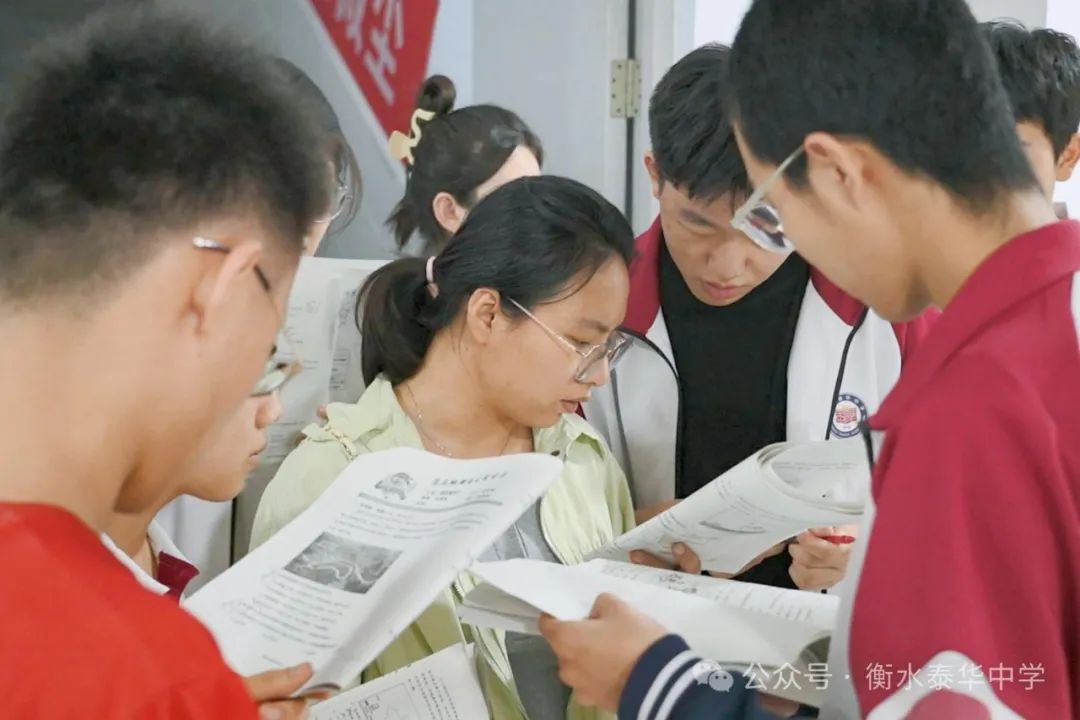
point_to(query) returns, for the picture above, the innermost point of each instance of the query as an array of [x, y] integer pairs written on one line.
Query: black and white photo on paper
[[337, 562]]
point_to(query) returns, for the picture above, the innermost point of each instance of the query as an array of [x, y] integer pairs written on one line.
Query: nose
[[728, 259], [269, 410], [599, 374]]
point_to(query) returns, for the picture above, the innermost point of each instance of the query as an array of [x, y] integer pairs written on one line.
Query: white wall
[[718, 20], [452, 47], [1029, 12]]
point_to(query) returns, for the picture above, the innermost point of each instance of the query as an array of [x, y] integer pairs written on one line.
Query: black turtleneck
[[732, 363]]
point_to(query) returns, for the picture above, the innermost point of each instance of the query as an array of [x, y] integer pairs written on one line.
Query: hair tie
[[401, 145], [433, 289]]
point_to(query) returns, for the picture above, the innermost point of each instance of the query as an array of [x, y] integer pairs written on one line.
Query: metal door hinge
[[625, 88]]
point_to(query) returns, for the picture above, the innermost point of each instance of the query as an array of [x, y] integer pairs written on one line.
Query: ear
[[654, 173], [223, 278], [448, 213], [482, 314], [1066, 164], [838, 171], [315, 237]]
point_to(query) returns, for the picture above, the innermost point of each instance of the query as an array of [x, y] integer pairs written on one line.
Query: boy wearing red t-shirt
[[156, 183]]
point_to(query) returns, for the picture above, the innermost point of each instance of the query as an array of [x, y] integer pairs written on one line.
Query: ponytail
[[393, 315], [403, 221], [534, 240]]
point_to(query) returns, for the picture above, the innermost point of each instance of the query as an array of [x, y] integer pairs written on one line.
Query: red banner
[[386, 44]]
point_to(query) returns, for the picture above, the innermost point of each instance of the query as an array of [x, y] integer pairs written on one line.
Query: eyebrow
[[596, 325], [696, 218]]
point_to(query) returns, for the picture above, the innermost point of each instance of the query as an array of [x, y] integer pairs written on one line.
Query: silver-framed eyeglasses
[[342, 197], [277, 371], [759, 220], [591, 357]]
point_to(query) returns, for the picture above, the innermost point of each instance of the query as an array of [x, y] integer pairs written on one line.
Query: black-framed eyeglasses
[[277, 371], [611, 350]]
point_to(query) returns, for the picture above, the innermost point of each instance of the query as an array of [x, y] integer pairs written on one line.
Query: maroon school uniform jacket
[[970, 581]]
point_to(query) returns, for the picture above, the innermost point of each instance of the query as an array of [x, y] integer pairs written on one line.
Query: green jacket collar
[[379, 417]]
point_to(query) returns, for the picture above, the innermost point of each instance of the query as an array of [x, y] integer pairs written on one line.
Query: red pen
[[839, 539]]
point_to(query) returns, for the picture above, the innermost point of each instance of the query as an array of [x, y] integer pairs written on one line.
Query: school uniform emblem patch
[[848, 415]]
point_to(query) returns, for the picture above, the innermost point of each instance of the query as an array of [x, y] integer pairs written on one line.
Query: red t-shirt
[[81, 638]]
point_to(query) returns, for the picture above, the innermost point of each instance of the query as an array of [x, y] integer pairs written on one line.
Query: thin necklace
[[427, 436]]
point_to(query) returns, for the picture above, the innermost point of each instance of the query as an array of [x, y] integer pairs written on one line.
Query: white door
[[550, 62]]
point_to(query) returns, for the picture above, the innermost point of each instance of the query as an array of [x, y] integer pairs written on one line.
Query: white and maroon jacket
[[843, 362]]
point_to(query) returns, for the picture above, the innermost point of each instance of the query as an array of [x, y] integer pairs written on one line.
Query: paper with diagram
[[350, 573], [773, 495]]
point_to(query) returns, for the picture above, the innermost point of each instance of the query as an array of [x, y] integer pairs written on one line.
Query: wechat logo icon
[[709, 673]]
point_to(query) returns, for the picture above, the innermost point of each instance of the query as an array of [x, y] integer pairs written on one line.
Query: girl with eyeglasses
[[487, 350]]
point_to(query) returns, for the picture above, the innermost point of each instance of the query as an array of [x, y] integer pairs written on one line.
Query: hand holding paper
[[686, 560], [597, 655], [273, 690]]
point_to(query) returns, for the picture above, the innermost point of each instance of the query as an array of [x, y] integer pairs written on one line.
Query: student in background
[[215, 473], [156, 182], [458, 158], [1041, 73], [919, 194], [200, 519], [340, 158], [487, 350], [734, 346]]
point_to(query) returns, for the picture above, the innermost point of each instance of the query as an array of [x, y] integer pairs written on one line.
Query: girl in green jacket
[[487, 350]]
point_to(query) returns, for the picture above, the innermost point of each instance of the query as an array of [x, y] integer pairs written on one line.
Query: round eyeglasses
[[611, 350]]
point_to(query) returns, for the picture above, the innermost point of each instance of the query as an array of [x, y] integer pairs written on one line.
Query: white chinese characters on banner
[[379, 58], [351, 13]]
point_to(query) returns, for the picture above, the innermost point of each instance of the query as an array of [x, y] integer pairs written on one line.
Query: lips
[[571, 406], [721, 293]]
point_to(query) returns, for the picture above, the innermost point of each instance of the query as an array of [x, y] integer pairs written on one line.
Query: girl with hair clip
[[455, 158], [487, 350]]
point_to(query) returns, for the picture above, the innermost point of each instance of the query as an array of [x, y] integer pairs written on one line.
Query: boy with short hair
[[156, 184], [734, 346], [1040, 70]]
